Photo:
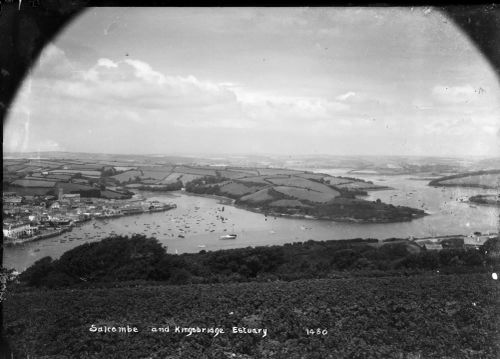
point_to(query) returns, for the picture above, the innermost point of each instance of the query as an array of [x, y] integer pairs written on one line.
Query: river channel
[[198, 222]]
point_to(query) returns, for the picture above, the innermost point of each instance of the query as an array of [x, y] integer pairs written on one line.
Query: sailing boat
[[229, 236]]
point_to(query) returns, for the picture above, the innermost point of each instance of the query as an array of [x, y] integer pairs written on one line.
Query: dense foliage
[[140, 258], [425, 316], [486, 199], [206, 185], [365, 210], [174, 186]]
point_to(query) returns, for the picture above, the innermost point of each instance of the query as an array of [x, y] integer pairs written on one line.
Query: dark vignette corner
[[27, 26]]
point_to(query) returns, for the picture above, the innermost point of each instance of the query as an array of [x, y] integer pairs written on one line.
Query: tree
[[35, 274]]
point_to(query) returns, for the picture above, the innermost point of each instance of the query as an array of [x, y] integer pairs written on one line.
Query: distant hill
[[481, 179]]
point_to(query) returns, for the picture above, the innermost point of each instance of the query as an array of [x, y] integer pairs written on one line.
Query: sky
[[285, 81]]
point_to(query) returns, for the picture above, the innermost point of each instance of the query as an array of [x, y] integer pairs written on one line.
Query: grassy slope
[[452, 316], [481, 179]]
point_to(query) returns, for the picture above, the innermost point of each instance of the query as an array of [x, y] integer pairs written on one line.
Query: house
[[10, 209], [16, 230], [112, 212], [476, 240], [55, 205], [73, 197], [155, 205], [12, 199], [433, 246]]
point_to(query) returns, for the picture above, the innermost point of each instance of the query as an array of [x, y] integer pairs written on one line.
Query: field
[[30, 191], [171, 178], [289, 203], [46, 164], [86, 167], [422, 316], [195, 170], [255, 179], [127, 176], [233, 189], [302, 183], [33, 183], [29, 169], [155, 175], [248, 171], [257, 197], [276, 171], [14, 167], [86, 173], [70, 187], [54, 177], [307, 194], [313, 176], [36, 179], [232, 174]]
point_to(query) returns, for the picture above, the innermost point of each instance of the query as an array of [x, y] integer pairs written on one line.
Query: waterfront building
[[12, 199], [17, 230]]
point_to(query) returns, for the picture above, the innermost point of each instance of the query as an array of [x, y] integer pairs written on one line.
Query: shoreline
[[330, 219], [232, 202], [16, 241]]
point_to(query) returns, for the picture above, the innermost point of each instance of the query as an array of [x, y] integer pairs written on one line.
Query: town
[[29, 218]]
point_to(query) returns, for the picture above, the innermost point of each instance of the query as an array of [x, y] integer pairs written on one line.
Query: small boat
[[201, 246], [228, 236]]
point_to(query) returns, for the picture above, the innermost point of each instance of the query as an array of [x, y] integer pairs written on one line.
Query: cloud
[[106, 63], [134, 83], [345, 96], [290, 111], [53, 62], [456, 94], [144, 71]]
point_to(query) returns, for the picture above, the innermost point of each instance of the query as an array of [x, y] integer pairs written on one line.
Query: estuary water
[[198, 222]]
